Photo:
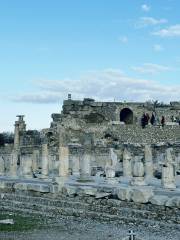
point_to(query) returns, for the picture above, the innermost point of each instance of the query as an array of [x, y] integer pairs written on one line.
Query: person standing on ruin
[[147, 118], [143, 124], [152, 120], [162, 121]]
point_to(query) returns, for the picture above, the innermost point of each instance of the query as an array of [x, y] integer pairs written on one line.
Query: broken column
[[148, 162], [168, 171], [2, 166], [64, 161], [13, 163], [45, 168], [85, 158], [127, 168], [63, 154], [138, 172], [26, 160], [20, 126], [75, 160], [111, 166], [85, 161], [35, 160]]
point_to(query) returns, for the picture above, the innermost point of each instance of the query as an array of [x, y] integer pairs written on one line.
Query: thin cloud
[[145, 7], [172, 31], [105, 85], [149, 21], [41, 98], [158, 48], [123, 39], [150, 68]]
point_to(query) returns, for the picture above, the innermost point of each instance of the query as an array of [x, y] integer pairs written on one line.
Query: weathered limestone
[[159, 200], [127, 168], [113, 157], [75, 165], [35, 161], [168, 171], [20, 126], [111, 166], [26, 161], [85, 161], [45, 164], [13, 164], [2, 166], [44, 188], [63, 161], [16, 135], [138, 172], [142, 195], [148, 162], [124, 193], [110, 171]]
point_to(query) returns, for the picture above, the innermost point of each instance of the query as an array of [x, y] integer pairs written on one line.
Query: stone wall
[[111, 110]]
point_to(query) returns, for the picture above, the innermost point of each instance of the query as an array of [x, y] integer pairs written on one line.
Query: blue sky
[[105, 49]]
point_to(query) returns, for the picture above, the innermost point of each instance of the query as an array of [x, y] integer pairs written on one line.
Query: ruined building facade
[[88, 137]]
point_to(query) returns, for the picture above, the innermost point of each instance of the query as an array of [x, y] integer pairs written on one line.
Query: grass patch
[[21, 223]]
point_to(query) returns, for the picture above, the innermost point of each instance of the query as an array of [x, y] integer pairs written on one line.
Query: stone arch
[[126, 116]]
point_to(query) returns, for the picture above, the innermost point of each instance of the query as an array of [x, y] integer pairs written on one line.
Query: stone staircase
[[89, 207]]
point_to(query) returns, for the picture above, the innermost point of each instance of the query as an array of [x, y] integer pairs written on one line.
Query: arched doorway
[[126, 116]]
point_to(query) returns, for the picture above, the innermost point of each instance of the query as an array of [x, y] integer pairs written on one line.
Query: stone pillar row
[[139, 171]]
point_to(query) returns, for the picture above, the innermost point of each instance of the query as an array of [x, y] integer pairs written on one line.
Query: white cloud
[[105, 85], [172, 31], [145, 8], [158, 48], [150, 68], [123, 39], [149, 21], [41, 97]]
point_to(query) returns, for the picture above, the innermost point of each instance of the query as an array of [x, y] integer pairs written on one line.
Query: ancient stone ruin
[[101, 150]]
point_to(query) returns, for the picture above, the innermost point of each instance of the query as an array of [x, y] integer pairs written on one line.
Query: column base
[[138, 181], [169, 185]]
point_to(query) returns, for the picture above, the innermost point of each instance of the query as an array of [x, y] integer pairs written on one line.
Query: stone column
[[2, 167], [148, 162], [13, 164], [45, 163], [110, 167], [85, 164], [168, 171], [75, 162], [178, 162], [27, 166], [63, 161], [138, 172], [113, 157], [16, 135], [127, 168], [110, 172], [20, 126], [35, 160]]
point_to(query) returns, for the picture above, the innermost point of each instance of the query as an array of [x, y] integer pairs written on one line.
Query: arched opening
[[126, 116]]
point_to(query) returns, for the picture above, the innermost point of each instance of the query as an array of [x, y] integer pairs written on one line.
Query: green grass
[[21, 223]]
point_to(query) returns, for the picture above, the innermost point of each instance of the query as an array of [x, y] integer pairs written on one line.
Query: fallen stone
[[38, 188], [87, 191], [173, 202], [142, 195], [20, 186], [70, 191], [124, 194], [102, 195], [159, 200], [7, 221]]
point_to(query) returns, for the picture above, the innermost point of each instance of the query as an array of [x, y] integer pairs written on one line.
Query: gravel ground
[[76, 229]]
